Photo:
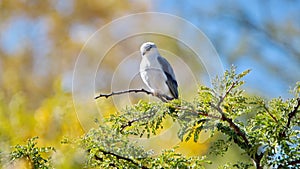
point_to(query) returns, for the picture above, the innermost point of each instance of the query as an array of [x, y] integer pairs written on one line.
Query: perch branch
[[162, 97], [123, 92]]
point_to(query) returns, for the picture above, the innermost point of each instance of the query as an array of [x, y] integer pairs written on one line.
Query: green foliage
[[107, 148], [267, 132], [239, 165], [219, 147], [271, 130], [32, 154], [151, 115], [171, 159]]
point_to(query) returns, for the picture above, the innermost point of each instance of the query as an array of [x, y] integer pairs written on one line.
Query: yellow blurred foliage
[[44, 44]]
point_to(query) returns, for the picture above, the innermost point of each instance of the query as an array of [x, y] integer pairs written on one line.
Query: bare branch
[[123, 92], [162, 97]]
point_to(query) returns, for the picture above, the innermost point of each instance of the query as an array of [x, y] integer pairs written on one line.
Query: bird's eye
[[148, 47]]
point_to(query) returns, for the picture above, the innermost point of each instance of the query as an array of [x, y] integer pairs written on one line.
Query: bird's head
[[148, 47]]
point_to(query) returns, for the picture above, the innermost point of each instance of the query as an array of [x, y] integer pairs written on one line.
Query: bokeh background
[[41, 40]]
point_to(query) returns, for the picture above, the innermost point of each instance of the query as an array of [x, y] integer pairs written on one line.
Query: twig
[[226, 93], [123, 92], [267, 110], [293, 113], [118, 157], [236, 129], [290, 116], [198, 112], [129, 123], [293, 163]]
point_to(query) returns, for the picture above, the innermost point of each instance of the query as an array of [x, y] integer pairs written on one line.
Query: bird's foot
[[163, 97]]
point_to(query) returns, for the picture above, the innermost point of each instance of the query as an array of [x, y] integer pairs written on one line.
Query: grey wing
[[171, 80]]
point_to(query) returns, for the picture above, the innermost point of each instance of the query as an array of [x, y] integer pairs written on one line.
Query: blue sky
[[260, 80]]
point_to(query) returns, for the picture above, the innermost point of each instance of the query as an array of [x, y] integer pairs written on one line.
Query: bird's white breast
[[153, 75]]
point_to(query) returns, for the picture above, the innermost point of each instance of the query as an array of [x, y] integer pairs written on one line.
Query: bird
[[157, 73]]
